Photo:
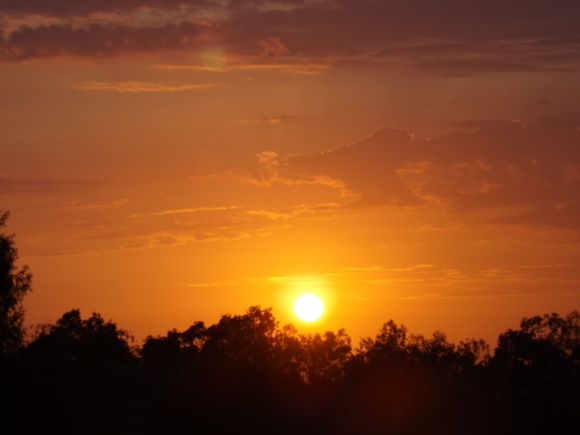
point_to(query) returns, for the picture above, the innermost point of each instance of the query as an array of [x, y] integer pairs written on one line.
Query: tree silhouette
[[82, 373], [73, 341], [537, 370], [405, 383], [14, 284], [324, 356], [248, 339]]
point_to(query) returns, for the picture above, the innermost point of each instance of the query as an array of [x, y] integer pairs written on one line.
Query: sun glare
[[308, 307]]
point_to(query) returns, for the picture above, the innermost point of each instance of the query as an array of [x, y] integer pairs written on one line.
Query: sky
[[169, 161]]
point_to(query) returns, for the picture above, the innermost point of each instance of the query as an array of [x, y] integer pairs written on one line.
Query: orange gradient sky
[[172, 161]]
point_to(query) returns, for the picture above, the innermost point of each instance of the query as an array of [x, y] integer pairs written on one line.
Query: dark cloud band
[[96, 41]]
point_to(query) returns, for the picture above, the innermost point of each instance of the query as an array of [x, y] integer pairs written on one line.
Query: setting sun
[[308, 307]]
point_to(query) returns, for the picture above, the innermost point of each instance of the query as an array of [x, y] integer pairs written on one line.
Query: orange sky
[[172, 161]]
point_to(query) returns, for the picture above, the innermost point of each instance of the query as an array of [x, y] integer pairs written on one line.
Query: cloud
[[96, 40], [272, 170], [497, 164], [488, 35], [273, 47], [502, 164], [566, 216], [295, 65], [141, 87], [466, 66], [409, 268], [291, 212], [73, 8], [90, 237], [367, 168], [364, 269], [95, 205], [552, 266], [189, 210], [447, 37], [269, 120]]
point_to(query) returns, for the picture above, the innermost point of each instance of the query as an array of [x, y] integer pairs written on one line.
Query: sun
[[308, 307]]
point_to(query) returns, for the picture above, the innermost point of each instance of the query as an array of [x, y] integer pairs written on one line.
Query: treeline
[[248, 374]]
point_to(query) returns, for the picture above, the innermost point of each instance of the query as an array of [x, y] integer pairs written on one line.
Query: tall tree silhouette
[[537, 368], [14, 284]]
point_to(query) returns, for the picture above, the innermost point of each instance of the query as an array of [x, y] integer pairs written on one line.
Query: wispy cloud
[[97, 237], [298, 67], [290, 212], [141, 87], [551, 266], [269, 120], [190, 210], [273, 170], [409, 268], [98, 205]]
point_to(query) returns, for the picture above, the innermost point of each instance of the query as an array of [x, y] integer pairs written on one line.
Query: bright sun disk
[[308, 307]]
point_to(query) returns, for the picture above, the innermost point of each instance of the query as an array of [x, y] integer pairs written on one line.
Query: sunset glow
[[413, 160]]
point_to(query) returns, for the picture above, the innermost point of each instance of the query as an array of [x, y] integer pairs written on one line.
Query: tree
[[537, 368], [82, 375], [175, 349], [14, 284], [324, 357], [248, 339], [73, 341]]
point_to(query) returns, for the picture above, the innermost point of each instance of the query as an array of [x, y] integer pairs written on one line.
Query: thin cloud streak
[[141, 87], [78, 205], [193, 210], [298, 67], [269, 120]]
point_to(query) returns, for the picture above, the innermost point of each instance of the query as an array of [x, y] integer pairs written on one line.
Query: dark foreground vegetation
[[247, 374]]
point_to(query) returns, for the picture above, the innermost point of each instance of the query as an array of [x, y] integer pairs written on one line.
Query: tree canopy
[[14, 284]]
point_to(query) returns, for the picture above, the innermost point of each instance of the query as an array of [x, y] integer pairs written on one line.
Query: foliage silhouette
[[14, 284], [80, 373], [74, 342], [248, 374], [405, 383], [537, 370]]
